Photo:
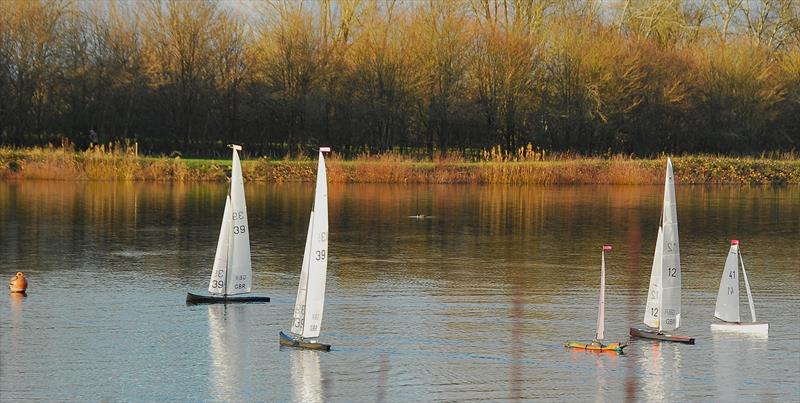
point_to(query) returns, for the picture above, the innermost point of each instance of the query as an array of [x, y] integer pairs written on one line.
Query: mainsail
[[663, 310], [310, 302], [233, 247], [727, 307], [601, 310], [670, 312]]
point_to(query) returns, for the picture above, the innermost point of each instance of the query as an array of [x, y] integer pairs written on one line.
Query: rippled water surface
[[472, 303]]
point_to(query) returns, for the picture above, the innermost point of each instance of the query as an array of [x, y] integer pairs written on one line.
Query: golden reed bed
[[63, 164]]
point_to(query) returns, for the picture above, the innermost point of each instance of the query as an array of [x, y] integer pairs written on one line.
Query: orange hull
[[596, 346]]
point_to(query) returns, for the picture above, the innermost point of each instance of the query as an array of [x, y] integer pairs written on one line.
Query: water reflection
[[306, 376], [652, 362], [601, 375], [517, 316], [383, 376], [475, 302], [229, 352], [730, 352], [16, 301]]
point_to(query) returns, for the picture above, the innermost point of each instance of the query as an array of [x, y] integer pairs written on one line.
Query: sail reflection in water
[[306, 377], [226, 326], [731, 351], [652, 363]]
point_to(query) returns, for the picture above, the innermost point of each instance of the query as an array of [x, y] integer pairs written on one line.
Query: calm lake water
[[473, 303]]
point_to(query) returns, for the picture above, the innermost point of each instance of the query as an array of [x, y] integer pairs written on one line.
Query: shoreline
[[59, 164]]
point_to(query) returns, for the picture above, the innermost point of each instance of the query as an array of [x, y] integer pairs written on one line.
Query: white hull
[[761, 329]]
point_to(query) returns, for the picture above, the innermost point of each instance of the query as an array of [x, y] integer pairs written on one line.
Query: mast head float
[[235, 147], [606, 248], [324, 149], [734, 241]]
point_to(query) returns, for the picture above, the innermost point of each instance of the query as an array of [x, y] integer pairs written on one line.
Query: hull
[[290, 341], [655, 335], [192, 299], [596, 346], [760, 329]]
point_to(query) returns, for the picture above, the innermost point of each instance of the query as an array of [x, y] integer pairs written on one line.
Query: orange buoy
[[18, 283]]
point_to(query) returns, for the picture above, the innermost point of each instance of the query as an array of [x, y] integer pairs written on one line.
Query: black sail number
[[238, 215], [320, 254], [239, 229]]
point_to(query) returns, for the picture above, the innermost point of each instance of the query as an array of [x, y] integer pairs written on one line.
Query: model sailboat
[[232, 274], [663, 311], [727, 308], [597, 344], [307, 317]]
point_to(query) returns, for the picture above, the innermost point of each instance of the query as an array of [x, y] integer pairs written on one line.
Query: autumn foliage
[[438, 77]]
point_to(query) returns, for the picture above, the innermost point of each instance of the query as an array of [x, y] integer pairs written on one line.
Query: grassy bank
[[63, 164]]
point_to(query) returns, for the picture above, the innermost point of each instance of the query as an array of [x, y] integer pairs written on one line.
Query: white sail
[[298, 318], [240, 273], [670, 311], [317, 256], [747, 287], [601, 310], [727, 307], [217, 283], [654, 291]]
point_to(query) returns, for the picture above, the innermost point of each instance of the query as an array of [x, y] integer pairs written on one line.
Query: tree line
[[584, 76]]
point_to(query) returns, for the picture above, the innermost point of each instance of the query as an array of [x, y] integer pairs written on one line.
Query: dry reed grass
[[525, 166]]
